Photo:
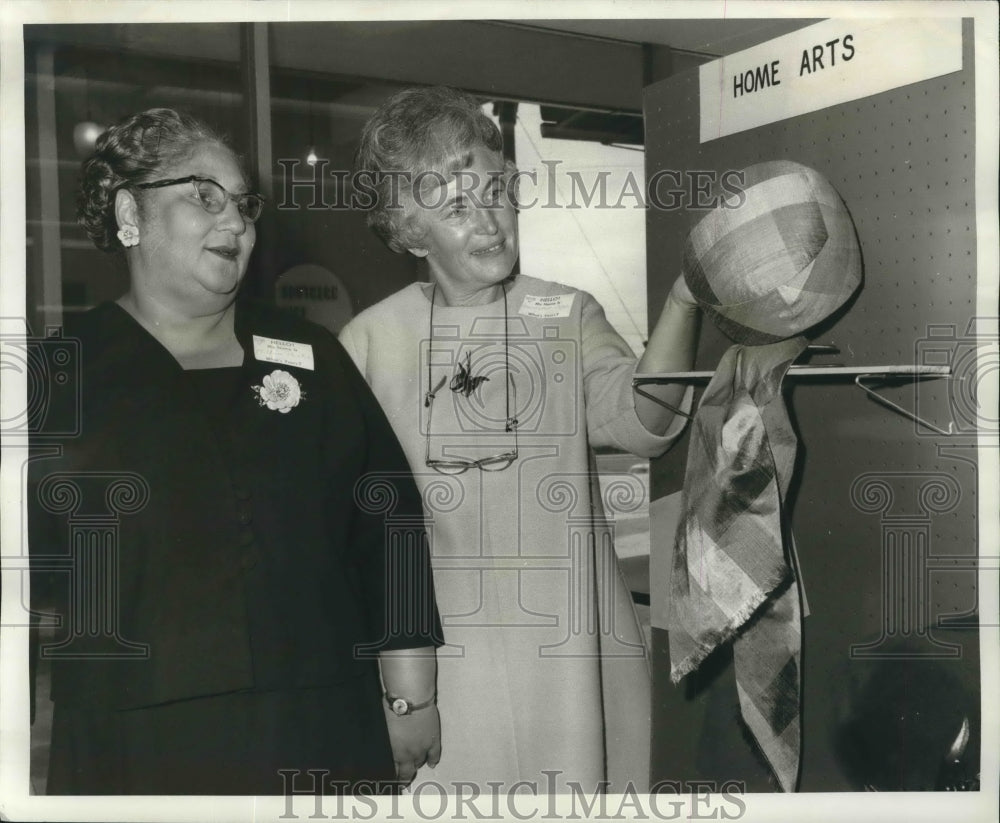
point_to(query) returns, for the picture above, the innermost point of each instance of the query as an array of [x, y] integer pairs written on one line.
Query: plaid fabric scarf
[[732, 579]]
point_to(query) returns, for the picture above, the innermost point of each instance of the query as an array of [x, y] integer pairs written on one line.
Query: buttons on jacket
[[244, 535], [244, 510], [249, 559]]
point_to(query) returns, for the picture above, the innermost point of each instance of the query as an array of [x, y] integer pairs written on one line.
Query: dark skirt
[[231, 744]]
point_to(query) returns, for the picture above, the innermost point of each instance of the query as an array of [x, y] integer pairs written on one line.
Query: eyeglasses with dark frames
[[459, 465], [213, 197]]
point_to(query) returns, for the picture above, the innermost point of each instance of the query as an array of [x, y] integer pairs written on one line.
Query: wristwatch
[[401, 706]]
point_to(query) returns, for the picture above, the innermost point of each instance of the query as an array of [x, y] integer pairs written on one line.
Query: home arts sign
[[832, 62]]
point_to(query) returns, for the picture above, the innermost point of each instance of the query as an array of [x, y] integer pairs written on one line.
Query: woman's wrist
[[417, 696], [402, 705], [681, 295], [410, 674]]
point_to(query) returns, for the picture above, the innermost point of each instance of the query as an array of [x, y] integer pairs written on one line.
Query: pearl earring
[[129, 236]]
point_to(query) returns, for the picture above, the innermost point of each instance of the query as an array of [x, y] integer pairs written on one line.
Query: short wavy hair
[[415, 131], [135, 150]]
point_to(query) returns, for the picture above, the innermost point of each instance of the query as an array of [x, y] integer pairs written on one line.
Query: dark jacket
[[251, 551]]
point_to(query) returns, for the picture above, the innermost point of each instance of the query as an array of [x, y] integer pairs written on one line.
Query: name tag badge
[[286, 352], [556, 305]]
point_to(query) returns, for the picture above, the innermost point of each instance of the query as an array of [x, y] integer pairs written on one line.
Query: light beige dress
[[544, 676]]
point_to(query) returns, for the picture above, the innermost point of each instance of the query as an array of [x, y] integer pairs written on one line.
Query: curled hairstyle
[[135, 150], [416, 131]]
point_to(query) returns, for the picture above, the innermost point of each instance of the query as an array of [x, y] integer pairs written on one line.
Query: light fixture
[[311, 157], [85, 134]]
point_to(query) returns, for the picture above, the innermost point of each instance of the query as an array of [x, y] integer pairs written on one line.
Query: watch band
[[401, 706]]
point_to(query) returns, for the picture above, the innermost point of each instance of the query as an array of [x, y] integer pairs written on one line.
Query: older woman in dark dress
[[267, 566]]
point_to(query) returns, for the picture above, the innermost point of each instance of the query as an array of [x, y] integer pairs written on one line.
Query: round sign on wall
[[316, 294]]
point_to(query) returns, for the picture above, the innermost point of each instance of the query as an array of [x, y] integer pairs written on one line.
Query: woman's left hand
[[415, 740]]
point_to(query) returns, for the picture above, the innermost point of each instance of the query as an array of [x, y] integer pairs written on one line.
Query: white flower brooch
[[280, 392]]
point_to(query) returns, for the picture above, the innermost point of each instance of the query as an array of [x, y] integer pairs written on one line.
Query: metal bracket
[[873, 374], [895, 406], [664, 403]]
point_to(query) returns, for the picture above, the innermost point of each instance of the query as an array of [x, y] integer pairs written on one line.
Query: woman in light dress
[[498, 386]]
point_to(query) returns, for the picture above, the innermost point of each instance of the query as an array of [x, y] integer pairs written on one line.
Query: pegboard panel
[[867, 479]]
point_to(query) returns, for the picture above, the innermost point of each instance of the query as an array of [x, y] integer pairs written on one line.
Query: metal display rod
[[865, 377]]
